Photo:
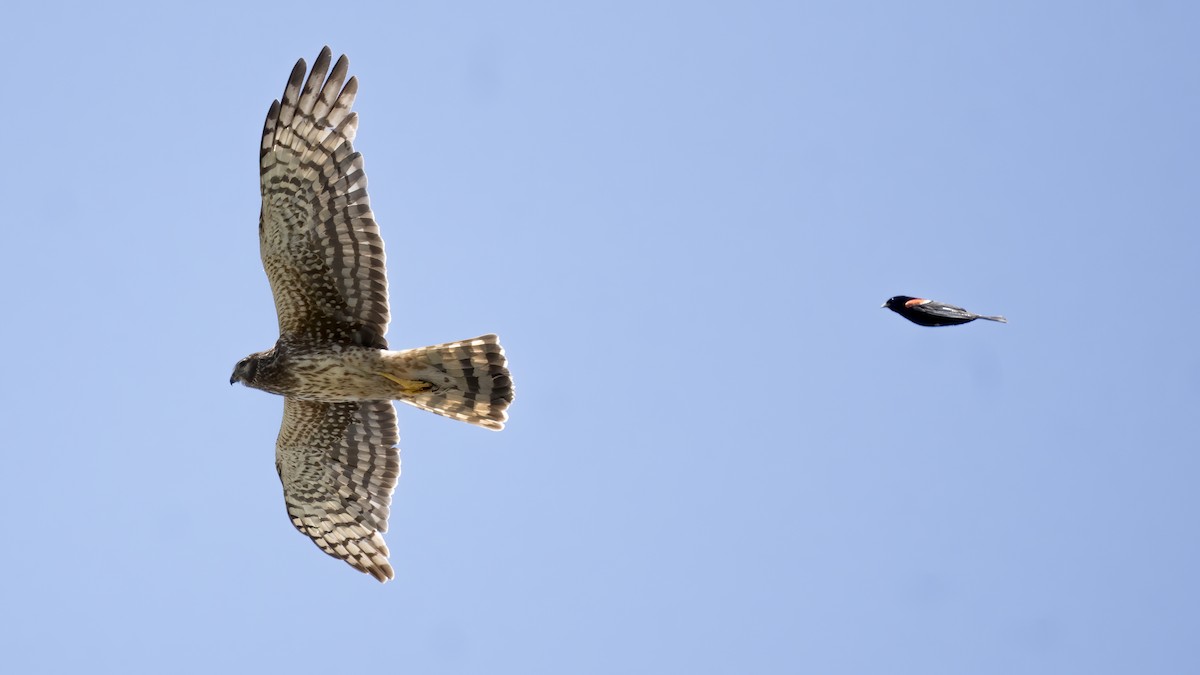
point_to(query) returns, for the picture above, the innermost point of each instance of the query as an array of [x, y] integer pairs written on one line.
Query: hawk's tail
[[466, 380]]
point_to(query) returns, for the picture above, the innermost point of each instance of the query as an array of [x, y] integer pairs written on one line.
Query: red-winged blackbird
[[932, 313]]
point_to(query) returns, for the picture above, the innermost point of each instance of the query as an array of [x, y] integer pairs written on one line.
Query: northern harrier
[[323, 255]]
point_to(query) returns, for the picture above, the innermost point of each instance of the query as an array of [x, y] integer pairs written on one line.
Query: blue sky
[[681, 218]]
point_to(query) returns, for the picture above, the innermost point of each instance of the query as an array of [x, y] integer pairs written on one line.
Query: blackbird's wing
[[945, 311]]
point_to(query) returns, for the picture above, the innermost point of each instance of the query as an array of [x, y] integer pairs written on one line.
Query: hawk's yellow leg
[[409, 387]]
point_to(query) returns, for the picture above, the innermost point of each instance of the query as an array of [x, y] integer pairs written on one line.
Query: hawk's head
[[245, 370]]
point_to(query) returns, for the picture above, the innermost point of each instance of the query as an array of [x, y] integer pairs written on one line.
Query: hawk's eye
[[249, 368]]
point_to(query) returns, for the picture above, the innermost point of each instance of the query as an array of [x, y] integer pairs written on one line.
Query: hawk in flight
[[336, 454]]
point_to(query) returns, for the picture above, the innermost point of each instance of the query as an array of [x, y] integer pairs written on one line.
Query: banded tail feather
[[466, 380]]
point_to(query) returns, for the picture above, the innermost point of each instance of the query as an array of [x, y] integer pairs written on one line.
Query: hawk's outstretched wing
[[338, 464], [320, 245]]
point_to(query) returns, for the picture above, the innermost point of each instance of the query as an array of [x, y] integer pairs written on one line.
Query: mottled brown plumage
[[324, 258]]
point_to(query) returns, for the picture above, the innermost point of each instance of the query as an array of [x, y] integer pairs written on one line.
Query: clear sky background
[[681, 218]]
